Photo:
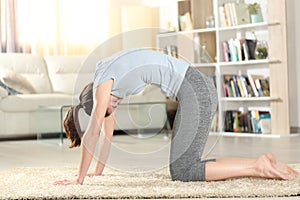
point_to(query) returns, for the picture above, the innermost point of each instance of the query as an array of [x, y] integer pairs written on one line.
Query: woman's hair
[[71, 121]]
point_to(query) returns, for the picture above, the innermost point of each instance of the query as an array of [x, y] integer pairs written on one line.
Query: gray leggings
[[197, 99]]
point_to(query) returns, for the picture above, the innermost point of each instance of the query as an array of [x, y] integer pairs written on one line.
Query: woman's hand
[[91, 174], [68, 182]]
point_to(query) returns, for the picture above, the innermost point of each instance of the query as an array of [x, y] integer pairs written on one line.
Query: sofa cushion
[[66, 73], [16, 81], [31, 102], [32, 67]]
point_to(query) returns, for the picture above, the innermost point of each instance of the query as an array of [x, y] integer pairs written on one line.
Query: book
[[241, 85], [264, 83], [237, 49], [242, 13], [248, 87], [251, 44], [237, 121], [261, 83], [265, 122], [245, 50], [222, 17], [252, 83], [233, 88], [232, 50], [244, 122], [228, 92], [241, 89], [244, 84], [225, 50], [236, 87], [232, 14], [255, 121], [227, 14], [237, 44], [261, 120], [229, 120], [258, 87], [185, 22]]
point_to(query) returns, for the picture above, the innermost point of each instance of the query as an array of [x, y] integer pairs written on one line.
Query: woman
[[127, 73]]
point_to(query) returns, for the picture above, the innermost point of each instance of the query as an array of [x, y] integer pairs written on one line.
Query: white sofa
[[57, 81]]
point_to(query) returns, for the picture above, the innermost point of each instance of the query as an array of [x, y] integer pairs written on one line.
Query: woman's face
[[112, 105]]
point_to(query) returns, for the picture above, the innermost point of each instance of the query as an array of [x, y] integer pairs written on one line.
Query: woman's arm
[[91, 135], [104, 146], [101, 101], [265, 166]]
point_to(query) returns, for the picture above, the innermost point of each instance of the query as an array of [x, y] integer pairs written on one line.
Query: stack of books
[[250, 85], [235, 50], [253, 121], [233, 14]]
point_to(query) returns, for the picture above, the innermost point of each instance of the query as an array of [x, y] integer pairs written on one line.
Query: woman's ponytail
[[71, 121], [71, 127]]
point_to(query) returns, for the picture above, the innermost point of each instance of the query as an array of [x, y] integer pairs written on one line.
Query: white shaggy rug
[[37, 183]]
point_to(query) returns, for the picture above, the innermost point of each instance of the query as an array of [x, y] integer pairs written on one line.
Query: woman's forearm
[[87, 150], [89, 142], [105, 144]]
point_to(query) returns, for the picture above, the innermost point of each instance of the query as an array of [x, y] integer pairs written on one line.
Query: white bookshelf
[[249, 99], [275, 66], [252, 63]]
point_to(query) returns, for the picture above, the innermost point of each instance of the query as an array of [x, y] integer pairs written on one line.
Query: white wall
[[139, 26], [293, 29]]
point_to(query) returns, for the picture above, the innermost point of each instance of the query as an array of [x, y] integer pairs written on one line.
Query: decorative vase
[[255, 18], [261, 50]]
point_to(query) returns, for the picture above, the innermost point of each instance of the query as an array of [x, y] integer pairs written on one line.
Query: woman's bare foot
[[266, 166]]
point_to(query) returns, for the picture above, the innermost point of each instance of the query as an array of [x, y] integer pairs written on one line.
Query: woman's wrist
[[80, 180], [99, 168], [98, 171]]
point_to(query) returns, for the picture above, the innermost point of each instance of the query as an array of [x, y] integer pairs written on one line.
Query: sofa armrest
[[3, 93]]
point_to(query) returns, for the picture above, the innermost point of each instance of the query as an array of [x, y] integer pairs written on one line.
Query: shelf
[[249, 99], [250, 62], [256, 26], [239, 63], [175, 33], [204, 65]]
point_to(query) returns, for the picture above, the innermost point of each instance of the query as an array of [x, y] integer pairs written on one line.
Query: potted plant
[[255, 12]]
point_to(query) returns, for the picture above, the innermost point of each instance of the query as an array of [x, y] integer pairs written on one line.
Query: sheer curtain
[[8, 27], [57, 27]]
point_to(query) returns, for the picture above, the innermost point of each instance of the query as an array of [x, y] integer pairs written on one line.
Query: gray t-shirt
[[133, 69]]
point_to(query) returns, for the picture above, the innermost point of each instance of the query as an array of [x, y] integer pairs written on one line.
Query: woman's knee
[[177, 171], [187, 173], [178, 176]]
